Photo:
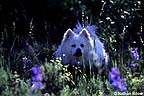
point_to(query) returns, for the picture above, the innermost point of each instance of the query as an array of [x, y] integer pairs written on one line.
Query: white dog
[[81, 46]]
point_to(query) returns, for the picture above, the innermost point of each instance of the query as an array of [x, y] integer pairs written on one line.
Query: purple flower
[[36, 73], [36, 80], [37, 77], [36, 70], [133, 64], [36, 85], [26, 61], [135, 54], [116, 81], [120, 84], [115, 71], [114, 74], [135, 57]]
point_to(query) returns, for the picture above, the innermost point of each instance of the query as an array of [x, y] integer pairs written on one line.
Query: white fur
[[93, 51]]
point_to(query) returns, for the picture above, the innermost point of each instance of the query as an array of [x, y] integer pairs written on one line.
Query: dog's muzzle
[[78, 52]]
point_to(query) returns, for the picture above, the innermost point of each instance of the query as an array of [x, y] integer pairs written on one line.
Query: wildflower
[[114, 74], [135, 57], [135, 54], [26, 61], [116, 81], [129, 75], [36, 81], [120, 84], [36, 73], [36, 85], [133, 64], [100, 92], [135, 80]]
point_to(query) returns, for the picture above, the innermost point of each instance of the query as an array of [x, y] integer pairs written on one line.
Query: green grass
[[59, 81]]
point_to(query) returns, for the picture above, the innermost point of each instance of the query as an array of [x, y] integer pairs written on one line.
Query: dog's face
[[77, 45]]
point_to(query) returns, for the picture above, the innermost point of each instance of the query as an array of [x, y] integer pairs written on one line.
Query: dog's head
[[77, 44]]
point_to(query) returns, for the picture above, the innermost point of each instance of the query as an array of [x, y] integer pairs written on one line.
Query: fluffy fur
[[81, 46]]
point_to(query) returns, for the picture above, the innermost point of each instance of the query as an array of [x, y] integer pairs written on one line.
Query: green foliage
[[13, 86]]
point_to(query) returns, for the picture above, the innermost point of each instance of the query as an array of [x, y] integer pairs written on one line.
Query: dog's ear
[[68, 34], [85, 33]]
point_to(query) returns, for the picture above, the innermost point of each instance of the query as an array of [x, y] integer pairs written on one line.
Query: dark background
[[53, 17], [45, 21]]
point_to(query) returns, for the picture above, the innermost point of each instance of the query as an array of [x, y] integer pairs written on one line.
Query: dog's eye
[[73, 45], [82, 45]]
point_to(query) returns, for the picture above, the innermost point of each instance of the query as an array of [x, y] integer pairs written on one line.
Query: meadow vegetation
[[27, 65]]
